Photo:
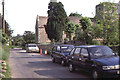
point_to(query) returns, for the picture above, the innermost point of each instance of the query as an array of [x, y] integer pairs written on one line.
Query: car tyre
[[95, 75], [71, 68], [53, 59]]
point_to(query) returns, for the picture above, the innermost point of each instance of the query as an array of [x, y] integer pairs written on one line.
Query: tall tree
[[85, 22], [29, 37], [57, 20], [85, 34], [70, 28]]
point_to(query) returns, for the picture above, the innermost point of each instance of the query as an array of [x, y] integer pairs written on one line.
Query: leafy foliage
[[29, 37], [106, 26], [75, 14], [57, 20], [85, 22], [18, 40], [3, 37], [85, 32], [71, 28]]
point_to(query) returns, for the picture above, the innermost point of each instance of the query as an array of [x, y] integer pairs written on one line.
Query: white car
[[32, 48]]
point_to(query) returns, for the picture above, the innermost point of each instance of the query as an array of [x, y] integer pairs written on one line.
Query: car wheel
[[71, 68], [95, 75], [63, 62], [53, 59]]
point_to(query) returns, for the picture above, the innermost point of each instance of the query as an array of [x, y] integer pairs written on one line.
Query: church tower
[[53, 0]]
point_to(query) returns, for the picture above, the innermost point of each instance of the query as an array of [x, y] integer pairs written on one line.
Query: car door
[[85, 62], [54, 51], [75, 57], [58, 53], [69, 58]]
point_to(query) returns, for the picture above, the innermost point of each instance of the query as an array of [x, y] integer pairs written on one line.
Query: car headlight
[[111, 67], [108, 67]]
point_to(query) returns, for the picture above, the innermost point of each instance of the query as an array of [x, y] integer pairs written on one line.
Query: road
[[35, 65]]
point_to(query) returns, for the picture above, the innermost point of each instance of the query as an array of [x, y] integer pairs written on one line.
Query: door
[[85, 60], [75, 57], [58, 54]]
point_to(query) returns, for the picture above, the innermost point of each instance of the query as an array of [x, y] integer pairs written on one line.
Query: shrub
[[4, 52]]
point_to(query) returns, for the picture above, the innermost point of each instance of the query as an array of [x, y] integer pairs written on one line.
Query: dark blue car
[[101, 61], [60, 53]]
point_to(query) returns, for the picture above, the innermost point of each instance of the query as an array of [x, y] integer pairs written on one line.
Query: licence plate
[[118, 72]]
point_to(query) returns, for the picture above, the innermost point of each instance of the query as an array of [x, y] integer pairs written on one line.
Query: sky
[[21, 14]]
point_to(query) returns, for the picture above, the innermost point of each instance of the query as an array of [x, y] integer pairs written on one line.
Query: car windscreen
[[66, 49], [104, 51], [31, 45]]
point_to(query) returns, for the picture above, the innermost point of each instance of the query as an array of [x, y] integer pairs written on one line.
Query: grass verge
[[4, 55]]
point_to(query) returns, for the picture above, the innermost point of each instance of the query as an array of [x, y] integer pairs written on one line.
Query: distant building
[[102, 9]]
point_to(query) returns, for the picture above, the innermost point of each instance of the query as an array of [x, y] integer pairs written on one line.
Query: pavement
[[35, 65]]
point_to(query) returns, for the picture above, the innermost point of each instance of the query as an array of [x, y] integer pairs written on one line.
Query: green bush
[[4, 52]]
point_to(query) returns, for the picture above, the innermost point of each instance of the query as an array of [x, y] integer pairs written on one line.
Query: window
[[77, 51], [84, 52], [71, 53]]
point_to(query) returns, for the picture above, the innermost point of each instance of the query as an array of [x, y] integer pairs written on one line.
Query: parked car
[[99, 60], [32, 48], [60, 52]]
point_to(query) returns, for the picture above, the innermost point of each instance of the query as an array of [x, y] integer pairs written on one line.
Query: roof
[[63, 45], [74, 19], [88, 46]]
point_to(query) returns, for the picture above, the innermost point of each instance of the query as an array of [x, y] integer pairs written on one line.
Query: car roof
[[90, 46], [64, 45], [32, 44]]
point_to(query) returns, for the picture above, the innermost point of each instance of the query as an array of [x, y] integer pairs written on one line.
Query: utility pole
[[119, 25], [3, 21]]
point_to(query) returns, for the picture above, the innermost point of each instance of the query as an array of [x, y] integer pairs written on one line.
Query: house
[[40, 33]]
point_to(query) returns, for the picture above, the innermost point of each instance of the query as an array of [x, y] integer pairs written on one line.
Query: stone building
[[102, 9], [40, 33]]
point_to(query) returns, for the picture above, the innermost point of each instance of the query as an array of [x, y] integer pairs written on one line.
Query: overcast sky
[[21, 14]]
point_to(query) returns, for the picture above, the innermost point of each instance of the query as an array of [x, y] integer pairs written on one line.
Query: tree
[[29, 37], [75, 14], [18, 40], [85, 22], [3, 37], [106, 26], [85, 34], [9, 31], [71, 28], [57, 20]]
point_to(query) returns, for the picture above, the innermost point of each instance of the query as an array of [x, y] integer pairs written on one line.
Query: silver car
[[32, 48]]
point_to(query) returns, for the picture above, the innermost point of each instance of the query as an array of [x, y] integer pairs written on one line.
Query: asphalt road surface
[[35, 65]]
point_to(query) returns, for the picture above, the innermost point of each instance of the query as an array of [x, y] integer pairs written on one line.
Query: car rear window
[[31, 45]]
